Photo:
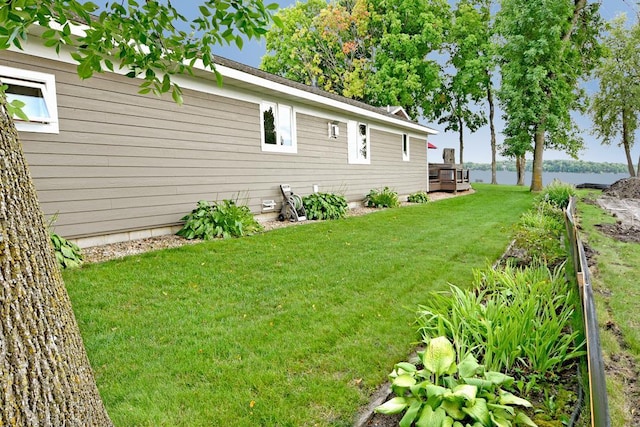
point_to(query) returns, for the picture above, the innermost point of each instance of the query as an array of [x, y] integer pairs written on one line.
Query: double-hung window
[[359, 143], [278, 128], [37, 91]]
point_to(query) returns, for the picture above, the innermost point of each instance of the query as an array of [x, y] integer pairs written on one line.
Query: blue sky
[[477, 148]]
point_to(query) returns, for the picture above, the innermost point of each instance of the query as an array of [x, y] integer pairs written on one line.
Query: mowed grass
[[617, 292], [294, 327]]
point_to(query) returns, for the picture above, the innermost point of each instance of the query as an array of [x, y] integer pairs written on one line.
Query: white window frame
[[279, 109], [47, 84], [406, 147], [354, 141]]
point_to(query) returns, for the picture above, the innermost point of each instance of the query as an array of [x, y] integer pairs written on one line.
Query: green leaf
[[499, 378], [406, 366], [431, 418], [479, 411], [466, 391], [478, 382], [523, 420], [405, 380], [507, 398], [469, 367], [393, 406], [440, 356], [411, 414], [453, 408]]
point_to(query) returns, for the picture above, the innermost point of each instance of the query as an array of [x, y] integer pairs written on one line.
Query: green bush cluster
[[68, 254], [219, 219], [539, 234], [418, 197], [385, 198], [325, 206]]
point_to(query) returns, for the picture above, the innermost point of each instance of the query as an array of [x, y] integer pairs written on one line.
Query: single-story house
[[116, 165]]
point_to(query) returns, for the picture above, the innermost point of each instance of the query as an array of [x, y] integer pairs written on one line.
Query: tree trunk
[[626, 144], [45, 377], [494, 177], [538, 150], [461, 127], [520, 169]]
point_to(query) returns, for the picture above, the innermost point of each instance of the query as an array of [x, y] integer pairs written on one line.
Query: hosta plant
[[325, 206], [68, 254], [446, 394], [385, 198], [419, 197], [218, 219]]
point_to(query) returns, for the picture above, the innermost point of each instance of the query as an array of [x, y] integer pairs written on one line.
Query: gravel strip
[[133, 247]]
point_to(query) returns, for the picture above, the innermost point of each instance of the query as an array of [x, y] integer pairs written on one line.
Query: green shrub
[[325, 206], [557, 194], [539, 234], [68, 254], [419, 197], [448, 394], [385, 198], [226, 219], [517, 320]]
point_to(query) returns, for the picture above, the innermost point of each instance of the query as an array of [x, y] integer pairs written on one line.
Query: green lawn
[[296, 326], [617, 292]]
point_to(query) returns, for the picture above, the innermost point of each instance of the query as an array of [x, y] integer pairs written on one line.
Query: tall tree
[[616, 107], [371, 50], [467, 77], [45, 376], [548, 46]]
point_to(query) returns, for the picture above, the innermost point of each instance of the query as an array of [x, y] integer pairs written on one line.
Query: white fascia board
[[318, 99], [38, 49]]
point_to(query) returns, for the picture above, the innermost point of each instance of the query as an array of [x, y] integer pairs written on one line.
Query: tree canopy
[[370, 50], [616, 106], [548, 46]]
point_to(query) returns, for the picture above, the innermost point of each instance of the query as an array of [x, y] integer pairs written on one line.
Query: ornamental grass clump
[[444, 393], [557, 193], [325, 206], [517, 320], [219, 219], [385, 198]]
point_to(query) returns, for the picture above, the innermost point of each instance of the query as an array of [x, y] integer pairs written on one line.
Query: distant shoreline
[[561, 166]]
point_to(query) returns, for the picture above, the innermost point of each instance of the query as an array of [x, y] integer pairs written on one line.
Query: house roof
[[391, 113]]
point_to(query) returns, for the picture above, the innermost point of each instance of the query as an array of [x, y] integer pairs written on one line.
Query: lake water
[[506, 177]]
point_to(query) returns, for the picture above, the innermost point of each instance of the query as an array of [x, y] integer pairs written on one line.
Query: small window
[[359, 144], [278, 128], [405, 147], [38, 92]]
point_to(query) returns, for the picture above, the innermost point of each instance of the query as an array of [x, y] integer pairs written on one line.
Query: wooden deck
[[448, 177]]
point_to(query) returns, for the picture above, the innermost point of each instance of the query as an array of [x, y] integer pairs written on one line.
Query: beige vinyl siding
[[125, 162]]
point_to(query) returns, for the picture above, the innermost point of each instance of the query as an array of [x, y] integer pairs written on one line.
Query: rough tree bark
[[461, 137], [538, 150], [494, 178], [45, 376], [521, 162], [626, 144]]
